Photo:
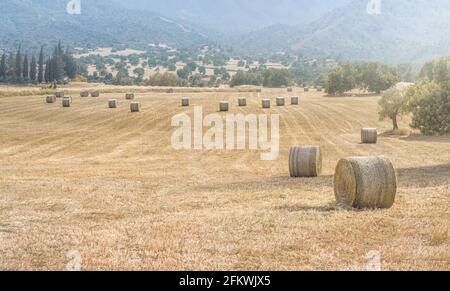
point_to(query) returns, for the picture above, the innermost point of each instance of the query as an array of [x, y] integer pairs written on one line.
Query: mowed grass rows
[[107, 183]]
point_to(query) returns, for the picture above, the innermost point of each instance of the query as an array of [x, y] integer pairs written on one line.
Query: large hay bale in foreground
[[305, 161], [185, 102], [266, 103], [66, 101], [281, 101], [59, 94], [365, 182], [50, 99], [112, 103], [369, 135], [129, 96], [84, 93], [294, 100], [135, 107], [242, 102], [224, 106], [95, 93]]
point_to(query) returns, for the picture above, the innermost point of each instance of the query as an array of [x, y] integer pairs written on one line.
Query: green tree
[[41, 61], [276, 78], [33, 67], [25, 68], [18, 67], [3, 67], [394, 103], [376, 77]]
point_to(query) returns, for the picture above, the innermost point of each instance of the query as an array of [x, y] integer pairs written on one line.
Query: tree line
[[21, 68]]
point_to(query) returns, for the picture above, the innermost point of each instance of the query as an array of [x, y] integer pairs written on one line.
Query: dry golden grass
[[107, 183]]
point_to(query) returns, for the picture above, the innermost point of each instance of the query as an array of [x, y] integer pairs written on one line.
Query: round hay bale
[[66, 101], [112, 103], [294, 100], [305, 161], [59, 94], [185, 102], [129, 96], [242, 102], [169, 91], [224, 106], [281, 101], [289, 89], [365, 182], [84, 93], [50, 99], [95, 93], [319, 89], [369, 135], [306, 89], [259, 90], [266, 103], [135, 107]]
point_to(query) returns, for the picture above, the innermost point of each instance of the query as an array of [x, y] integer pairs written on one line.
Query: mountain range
[[403, 31]]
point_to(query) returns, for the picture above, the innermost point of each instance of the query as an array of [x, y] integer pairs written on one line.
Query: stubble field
[[107, 184]]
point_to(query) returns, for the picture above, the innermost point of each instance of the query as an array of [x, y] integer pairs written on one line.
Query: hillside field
[[107, 184]]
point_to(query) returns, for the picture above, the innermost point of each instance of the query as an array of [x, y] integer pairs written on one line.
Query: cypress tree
[[25, 70], [18, 67], [41, 66], [10, 72], [3, 67], [47, 71], [33, 68]]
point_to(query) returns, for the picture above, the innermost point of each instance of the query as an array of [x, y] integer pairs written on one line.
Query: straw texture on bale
[[242, 102], [50, 99], [66, 101], [135, 107], [59, 94], [305, 161], [84, 93], [266, 103], [294, 100], [281, 101], [369, 135], [185, 102], [129, 96], [365, 182], [224, 106], [112, 103], [95, 93]]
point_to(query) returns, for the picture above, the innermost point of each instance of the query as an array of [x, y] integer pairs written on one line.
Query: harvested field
[[107, 184]]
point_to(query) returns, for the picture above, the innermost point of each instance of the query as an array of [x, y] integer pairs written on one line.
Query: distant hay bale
[[259, 90], [135, 107], [266, 103], [306, 89], [59, 94], [305, 161], [84, 93], [294, 100], [185, 102], [95, 93], [224, 106], [242, 102], [289, 89], [50, 99], [281, 101], [112, 103], [319, 89], [129, 96], [66, 101], [365, 182], [169, 91], [369, 135]]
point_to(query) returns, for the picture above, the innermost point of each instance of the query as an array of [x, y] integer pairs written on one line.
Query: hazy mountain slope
[[101, 23], [406, 30], [240, 15]]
